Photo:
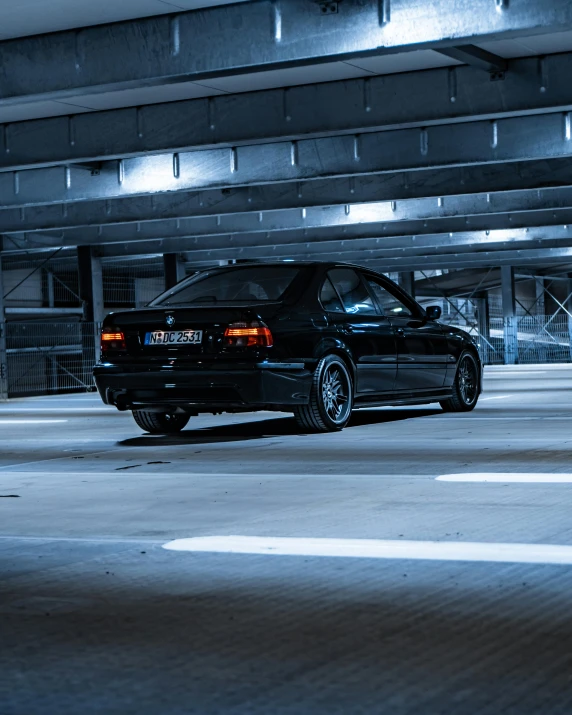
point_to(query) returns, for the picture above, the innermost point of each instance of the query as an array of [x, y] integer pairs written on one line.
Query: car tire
[[331, 398], [160, 422], [467, 385]]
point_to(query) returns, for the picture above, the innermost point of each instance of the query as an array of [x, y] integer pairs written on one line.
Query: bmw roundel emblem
[[170, 320]]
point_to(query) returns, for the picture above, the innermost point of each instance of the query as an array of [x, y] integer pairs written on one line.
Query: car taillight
[[112, 339], [248, 335]]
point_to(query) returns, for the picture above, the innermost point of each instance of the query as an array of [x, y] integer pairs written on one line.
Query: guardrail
[[49, 358], [42, 358], [540, 339]]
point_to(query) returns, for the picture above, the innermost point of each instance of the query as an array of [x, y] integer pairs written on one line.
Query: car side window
[[391, 306], [329, 298], [352, 291]]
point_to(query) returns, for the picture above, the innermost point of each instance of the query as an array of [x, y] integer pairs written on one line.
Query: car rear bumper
[[265, 385]]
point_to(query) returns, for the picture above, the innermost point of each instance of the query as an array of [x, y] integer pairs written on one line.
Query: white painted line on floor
[[112, 472], [496, 397], [14, 412], [376, 549], [515, 372], [95, 539], [508, 477], [31, 422], [512, 418]]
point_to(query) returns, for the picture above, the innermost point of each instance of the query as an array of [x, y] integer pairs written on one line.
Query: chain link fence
[[58, 357], [132, 283], [539, 338], [50, 358]]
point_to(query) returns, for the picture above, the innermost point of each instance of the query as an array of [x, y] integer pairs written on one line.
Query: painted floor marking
[[508, 477], [496, 397], [31, 422], [377, 549], [502, 373], [188, 475], [13, 409], [512, 418]]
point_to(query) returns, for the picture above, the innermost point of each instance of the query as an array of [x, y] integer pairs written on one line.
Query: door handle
[[400, 331]]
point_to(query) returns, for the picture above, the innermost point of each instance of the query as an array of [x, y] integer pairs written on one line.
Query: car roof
[[322, 264]]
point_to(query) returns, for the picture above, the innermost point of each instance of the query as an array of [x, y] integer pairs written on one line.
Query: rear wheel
[[160, 422], [331, 398], [466, 387]]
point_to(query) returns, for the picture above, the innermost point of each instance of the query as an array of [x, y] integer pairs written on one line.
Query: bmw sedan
[[315, 339]]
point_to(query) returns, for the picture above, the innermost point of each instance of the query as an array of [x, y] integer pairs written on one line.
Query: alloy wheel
[[335, 393], [468, 380]]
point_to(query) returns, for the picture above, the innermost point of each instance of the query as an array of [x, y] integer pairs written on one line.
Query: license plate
[[174, 337]]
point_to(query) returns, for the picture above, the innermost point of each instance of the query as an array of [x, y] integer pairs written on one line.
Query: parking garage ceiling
[[393, 133]]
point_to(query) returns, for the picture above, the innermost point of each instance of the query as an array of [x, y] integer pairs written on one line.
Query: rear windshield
[[255, 284]]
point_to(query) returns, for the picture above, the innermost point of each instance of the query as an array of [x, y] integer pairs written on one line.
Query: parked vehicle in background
[[315, 339]]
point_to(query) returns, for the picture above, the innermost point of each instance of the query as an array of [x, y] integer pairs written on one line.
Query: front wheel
[[331, 398], [467, 386], [160, 422]]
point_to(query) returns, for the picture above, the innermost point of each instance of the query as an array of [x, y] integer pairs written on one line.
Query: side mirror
[[433, 312]]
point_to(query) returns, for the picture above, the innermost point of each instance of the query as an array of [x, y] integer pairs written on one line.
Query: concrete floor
[[97, 617]]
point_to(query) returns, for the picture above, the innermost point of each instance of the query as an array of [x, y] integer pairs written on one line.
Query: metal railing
[[58, 357], [50, 358], [540, 339]]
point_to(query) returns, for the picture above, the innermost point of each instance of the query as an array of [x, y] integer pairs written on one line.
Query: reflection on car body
[[314, 339]]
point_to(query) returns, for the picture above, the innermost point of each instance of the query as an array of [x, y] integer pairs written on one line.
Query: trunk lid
[[212, 321]]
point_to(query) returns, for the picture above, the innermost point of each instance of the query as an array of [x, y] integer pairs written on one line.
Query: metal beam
[[44, 312], [515, 139], [456, 261], [417, 99], [420, 233], [476, 57], [438, 184], [346, 222], [251, 37], [279, 247]]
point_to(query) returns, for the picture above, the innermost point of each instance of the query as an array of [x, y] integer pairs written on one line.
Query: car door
[[369, 335], [422, 348]]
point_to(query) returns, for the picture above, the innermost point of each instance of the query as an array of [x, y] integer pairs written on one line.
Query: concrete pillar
[[509, 316], [90, 284], [481, 302], [540, 312], [50, 283], [91, 294], [540, 307], [483, 315], [174, 269], [407, 282], [3, 353]]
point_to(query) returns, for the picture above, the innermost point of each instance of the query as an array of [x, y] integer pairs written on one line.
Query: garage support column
[[482, 316], [540, 310], [91, 294], [407, 282], [174, 269], [50, 283], [90, 284], [539, 296], [3, 354], [509, 316]]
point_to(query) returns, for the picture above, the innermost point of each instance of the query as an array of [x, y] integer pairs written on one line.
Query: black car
[[315, 339]]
